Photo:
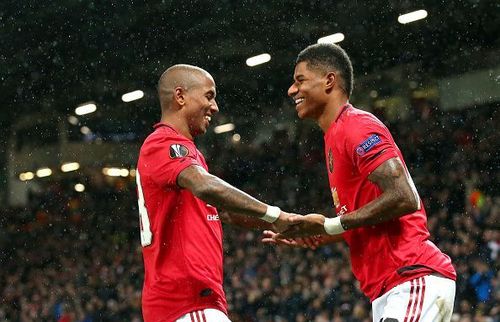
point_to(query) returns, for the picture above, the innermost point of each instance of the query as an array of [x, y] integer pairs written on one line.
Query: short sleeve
[[165, 157], [370, 144]]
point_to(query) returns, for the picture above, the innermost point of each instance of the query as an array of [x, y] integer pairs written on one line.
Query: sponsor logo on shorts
[[368, 144]]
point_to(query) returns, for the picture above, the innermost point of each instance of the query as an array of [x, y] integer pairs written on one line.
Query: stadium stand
[[76, 257]]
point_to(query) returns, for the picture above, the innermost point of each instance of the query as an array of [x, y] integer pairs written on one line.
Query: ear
[[331, 79], [179, 96]]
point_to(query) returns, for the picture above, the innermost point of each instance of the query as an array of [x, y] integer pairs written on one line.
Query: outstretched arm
[[399, 197], [221, 194], [243, 221]]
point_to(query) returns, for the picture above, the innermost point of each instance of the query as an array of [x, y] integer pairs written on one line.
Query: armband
[[272, 214], [333, 226]]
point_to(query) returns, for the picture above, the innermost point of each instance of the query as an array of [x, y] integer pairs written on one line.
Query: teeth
[[299, 100], [208, 118]]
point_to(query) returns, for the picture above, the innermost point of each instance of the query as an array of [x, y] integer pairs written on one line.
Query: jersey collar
[[160, 124], [343, 108]]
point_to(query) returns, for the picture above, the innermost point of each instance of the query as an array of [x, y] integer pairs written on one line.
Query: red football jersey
[[181, 235], [390, 253]]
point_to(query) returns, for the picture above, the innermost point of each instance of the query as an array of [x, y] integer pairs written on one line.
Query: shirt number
[[146, 235]]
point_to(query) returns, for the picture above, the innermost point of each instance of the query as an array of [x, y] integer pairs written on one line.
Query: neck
[[178, 124], [332, 111]]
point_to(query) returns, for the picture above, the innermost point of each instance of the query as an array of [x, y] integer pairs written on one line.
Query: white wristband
[[333, 226], [272, 214]]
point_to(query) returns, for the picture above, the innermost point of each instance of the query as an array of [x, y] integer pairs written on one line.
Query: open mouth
[[298, 101]]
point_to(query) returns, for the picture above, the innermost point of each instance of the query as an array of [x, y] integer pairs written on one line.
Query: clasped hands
[[296, 230]]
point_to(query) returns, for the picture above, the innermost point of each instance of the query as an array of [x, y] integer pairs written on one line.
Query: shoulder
[[163, 135], [165, 138], [360, 125], [361, 118]]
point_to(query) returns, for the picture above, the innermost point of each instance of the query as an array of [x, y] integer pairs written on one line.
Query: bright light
[[132, 96], [331, 39], [85, 130], [132, 172], [70, 166], [412, 16], [43, 172], [25, 176], [116, 172], [112, 172], [236, 137], [124, 172], [79, 187], [85, 109], [259, 59], [224, 128], [72, 120]]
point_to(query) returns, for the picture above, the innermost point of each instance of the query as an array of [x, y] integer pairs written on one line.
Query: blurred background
[[79, 96]]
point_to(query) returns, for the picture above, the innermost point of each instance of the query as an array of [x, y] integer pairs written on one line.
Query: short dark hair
[[328, 57]]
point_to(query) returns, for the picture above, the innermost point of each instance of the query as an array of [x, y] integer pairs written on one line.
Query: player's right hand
[[270, 237], [284, 222]]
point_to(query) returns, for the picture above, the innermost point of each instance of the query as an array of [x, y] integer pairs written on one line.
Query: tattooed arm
[[243, 221], [399, 197], [221, 194]]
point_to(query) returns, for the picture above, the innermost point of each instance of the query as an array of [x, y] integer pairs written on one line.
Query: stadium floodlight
[[236, 137], [79, 187], [26, 176], [259, 59], [224, 128], [85, 130], [43, 172], [132, 96], [73, 120], [70, 166], [412, 16], [331, 39], [116, 172], [85, 109], [112, 172]]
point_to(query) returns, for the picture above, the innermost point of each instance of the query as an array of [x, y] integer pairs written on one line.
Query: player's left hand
[[270, 237], [303, 226]]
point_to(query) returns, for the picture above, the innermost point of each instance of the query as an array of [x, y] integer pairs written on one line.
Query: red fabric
[[355, 145], [183, 265]]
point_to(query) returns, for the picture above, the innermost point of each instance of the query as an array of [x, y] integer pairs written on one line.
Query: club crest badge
[[178, 151]]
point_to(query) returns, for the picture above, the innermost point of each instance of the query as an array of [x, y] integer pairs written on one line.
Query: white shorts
[[206, 315], [429, 299]]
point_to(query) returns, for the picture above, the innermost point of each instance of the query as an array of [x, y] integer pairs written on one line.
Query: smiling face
[[308, 92], [200, 105]]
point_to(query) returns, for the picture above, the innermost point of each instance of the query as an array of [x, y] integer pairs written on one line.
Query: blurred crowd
[[76, 257]]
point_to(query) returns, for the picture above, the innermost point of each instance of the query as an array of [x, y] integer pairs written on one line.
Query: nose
[[214, 108], [293, 90]]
